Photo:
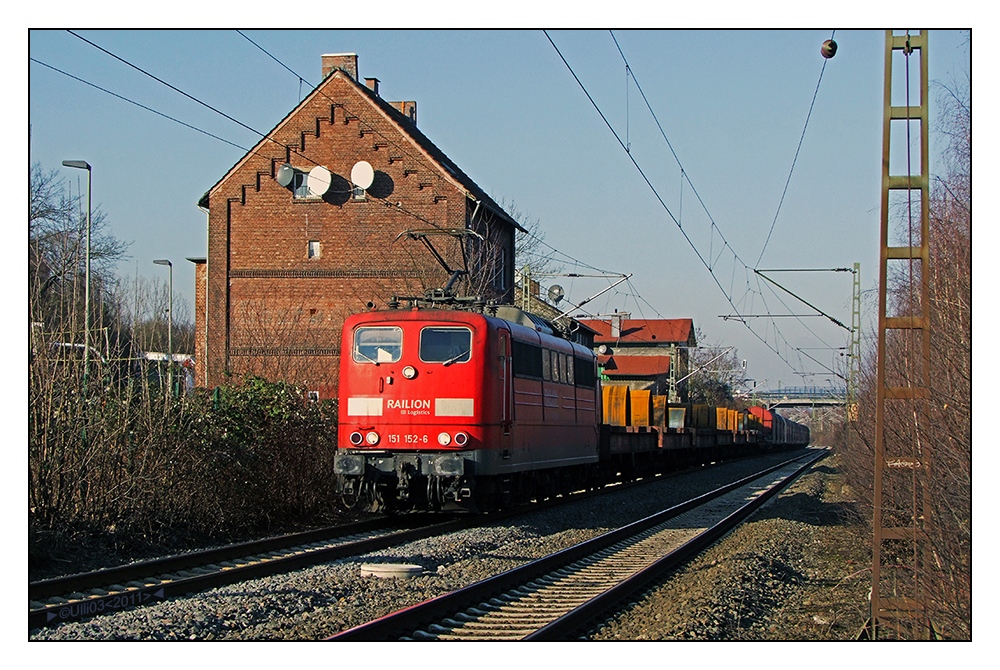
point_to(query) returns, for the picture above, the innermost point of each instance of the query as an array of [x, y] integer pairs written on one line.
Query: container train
[[461, 409]]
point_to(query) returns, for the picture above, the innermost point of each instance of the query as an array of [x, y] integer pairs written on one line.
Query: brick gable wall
[[273, 310]]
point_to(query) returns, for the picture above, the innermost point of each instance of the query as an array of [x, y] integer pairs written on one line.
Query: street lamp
[[170, 325], [84, 165]]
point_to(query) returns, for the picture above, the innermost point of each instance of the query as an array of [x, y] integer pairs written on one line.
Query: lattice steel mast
[[900, 548]]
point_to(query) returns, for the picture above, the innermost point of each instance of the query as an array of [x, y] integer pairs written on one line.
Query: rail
[[549, 598]]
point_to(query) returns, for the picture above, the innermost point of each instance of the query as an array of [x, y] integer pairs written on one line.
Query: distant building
[[342, 206], [644, 354]]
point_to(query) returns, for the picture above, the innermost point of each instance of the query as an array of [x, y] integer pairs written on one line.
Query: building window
[[300, 186], [314, 249], [501, 281]]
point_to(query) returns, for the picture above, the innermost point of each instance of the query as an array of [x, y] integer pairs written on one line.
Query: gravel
[[796, 571]]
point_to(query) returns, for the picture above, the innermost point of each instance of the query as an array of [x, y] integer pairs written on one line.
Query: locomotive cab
[[455, 409], [415, 407]]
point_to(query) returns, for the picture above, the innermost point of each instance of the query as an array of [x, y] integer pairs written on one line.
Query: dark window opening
[[585, 373], [527, 360], [445, 345]]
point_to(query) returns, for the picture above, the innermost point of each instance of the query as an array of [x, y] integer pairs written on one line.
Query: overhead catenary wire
[[726, 248], [263, 135], [712, 264], [137, 104], [687, 238], [794, 159]]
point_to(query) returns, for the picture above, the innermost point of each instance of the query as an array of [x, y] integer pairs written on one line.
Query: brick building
[[342, 206], [644, 353]]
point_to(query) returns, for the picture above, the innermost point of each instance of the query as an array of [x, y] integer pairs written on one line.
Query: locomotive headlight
[[444, 439], [372, 438], [409, 372], [357, 438]]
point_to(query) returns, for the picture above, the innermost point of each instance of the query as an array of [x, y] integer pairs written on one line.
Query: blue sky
[[504, 106]]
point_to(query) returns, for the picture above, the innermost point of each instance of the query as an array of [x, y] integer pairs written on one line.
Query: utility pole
[[901, 552], [170, 325]]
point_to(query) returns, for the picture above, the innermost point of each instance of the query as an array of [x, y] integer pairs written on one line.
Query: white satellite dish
[[362, 174], [556, 293], [284, 174], [319, 180]]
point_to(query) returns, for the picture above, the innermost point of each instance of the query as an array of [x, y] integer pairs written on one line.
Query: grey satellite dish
[[284, 174], [556, 293], [603, 349], [362, 174], [319, 180]]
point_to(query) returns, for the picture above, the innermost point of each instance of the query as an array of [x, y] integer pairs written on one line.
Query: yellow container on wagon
[[642, 407], [617, 405], [660, 411], [721, 418]]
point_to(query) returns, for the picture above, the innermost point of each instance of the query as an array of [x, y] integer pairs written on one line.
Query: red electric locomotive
[[456, 409]]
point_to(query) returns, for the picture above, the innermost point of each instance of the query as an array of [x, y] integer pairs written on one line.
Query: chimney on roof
[[408, 109], [372, 83], [346, 62], [616, 325]]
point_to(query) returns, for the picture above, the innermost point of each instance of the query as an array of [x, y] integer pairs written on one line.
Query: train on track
[[446, 406]]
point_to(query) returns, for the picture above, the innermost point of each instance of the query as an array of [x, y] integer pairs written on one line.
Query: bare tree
[[716, 376]]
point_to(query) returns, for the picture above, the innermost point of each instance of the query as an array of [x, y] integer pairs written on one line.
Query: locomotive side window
[[527, 360], [445, 345], [546, 365], [584, 371], [568, 367], [378, 344]]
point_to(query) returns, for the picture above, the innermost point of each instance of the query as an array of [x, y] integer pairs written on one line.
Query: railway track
[[55, 601], [555, 597]]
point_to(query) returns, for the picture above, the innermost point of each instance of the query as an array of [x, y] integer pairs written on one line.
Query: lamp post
[[84, 165], [170, 325]]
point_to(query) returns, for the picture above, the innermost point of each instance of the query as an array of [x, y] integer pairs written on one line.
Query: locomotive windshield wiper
[[456, 357], [362, 354]]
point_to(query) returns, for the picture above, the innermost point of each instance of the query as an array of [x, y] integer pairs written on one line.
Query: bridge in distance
[[803, 396]]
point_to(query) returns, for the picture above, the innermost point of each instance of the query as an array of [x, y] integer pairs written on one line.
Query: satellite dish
[[362, 174], [556, 293], [603, 349], [319, 180], [284, 174]]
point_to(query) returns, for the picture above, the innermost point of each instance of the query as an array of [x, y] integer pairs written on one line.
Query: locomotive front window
[[445, 345], [378, 345]]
